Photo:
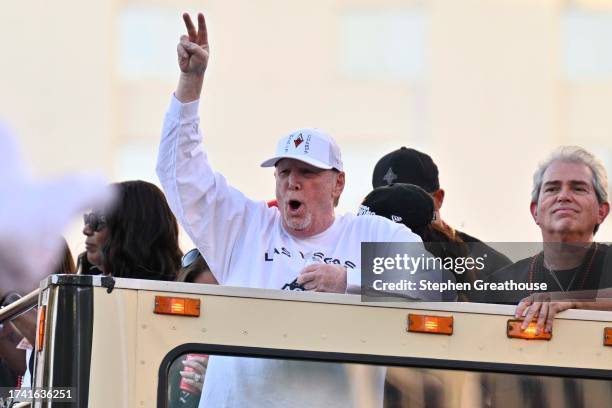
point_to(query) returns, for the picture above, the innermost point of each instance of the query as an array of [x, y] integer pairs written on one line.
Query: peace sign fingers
[[200, 36], [191, 31]]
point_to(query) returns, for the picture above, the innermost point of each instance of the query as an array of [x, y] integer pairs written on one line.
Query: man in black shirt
[[569, 201], [411, 166]]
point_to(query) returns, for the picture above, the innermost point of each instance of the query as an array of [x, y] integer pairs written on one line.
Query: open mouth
[[294, 205]]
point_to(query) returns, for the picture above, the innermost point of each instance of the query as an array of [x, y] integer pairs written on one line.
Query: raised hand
[[193, 54], [193, 50]]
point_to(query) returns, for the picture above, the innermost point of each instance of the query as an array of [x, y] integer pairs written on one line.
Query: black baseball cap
[[409, 166], [403, 203]]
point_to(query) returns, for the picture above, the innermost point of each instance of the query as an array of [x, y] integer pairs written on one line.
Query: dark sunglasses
[[96, 221], [190, 257]]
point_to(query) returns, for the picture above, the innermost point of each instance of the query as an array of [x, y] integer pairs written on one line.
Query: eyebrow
[[573, 182]]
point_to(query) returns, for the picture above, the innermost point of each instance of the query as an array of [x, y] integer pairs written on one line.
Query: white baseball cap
[[310, 145]]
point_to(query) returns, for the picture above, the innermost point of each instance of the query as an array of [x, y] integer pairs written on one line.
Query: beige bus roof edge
[[336, 298]]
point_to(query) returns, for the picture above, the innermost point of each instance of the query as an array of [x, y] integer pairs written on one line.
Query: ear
[[533, 208], [604, 210], [339, 185], [438, 197]]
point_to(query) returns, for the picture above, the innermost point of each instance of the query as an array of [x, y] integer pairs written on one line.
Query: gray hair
[[574, 154]]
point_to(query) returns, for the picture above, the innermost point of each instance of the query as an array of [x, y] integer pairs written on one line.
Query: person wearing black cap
[[403, 203], [412, 206], [411, 166]]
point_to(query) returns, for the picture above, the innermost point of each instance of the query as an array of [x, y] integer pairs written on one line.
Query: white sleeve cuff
[[185, 112]]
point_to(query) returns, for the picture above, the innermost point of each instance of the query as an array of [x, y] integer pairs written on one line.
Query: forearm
[[182, 167], [587, 299], [598, 304], [189, 87], [210, 211]]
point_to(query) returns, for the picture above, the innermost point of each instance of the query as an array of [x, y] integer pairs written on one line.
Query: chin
[[93, 260], [568, 227], [572, 230], [299, 224]]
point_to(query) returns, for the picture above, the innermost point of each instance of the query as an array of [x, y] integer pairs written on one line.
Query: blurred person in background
[[34, 214], [17, 335], [12, 359], [26, 323], [66, 265], [135, 238], [411, 166]]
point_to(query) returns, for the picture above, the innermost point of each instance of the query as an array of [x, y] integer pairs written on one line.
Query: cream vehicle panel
[[102, 336]]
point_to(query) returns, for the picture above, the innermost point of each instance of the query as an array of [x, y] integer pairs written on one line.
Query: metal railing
[[19, 307]]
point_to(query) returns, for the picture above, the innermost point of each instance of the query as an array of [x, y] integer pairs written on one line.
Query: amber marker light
[[42, 316], [430, 324], [177, 306], [608, 336], [513, 330]]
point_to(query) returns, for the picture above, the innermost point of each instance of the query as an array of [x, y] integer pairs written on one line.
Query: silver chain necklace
[[554, 275]]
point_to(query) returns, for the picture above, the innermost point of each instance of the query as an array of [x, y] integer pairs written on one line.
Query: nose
[[565, 194], [87, 230], [295, 182]]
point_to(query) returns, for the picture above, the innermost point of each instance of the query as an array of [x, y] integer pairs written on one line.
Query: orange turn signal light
[[430, 324], [42, 317], [177, 306], [514, 331], [608, 336]]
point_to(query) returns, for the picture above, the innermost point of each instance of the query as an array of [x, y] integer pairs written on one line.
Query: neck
[[571, 237], [565, 255], [437, 216], [445, 227]]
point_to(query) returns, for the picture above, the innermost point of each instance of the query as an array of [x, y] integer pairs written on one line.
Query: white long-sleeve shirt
[[243, 241], [245, 244]]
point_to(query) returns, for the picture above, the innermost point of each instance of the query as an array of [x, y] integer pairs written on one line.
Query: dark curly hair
[[142, 234]]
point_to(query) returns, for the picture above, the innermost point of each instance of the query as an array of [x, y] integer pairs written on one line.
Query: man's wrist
[[192, 76], [189, 87]]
